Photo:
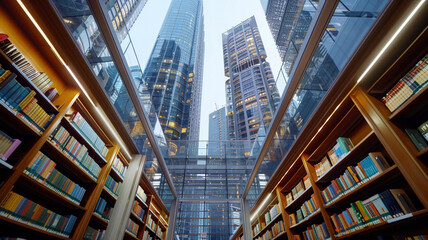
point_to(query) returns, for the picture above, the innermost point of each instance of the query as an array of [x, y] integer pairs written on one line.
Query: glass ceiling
[[199, 175]]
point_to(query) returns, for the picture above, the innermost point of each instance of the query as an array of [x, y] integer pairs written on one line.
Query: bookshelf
[[268, 224], [378, 137]]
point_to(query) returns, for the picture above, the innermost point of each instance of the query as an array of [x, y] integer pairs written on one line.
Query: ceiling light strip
[[391, 39]]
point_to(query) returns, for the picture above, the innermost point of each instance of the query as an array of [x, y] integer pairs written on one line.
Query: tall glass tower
[[251, 93], [174, 71]]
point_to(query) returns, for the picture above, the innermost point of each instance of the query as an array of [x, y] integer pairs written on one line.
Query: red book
[[3, 36]]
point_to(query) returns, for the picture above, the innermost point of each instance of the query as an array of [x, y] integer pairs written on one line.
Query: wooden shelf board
[[67, 162], [409, 108], [43, 191], [344, 161], [305, 194], [32, 228], [422, 153], [5, 165], [78, 135], [129, 235], [389, 173], [135, 217], [96, 217], [115, 174], [42, 100], [19, 125], [307, 220], [269, 225], [111, 197], [386, 224], [280, 235], [144, 205]]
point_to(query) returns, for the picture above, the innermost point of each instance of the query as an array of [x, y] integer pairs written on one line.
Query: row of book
[[88, 132], [159, 233], [297, 190], [141, 194], [42, 169], [113, 186], [316, 232], [274, 231], [148, 236], [410, 84], [103, 209], [138, 210], [77, 151], [8, 146], [342, 147], [20, 61], [94, 234], [151, 223], [119, 167], [21, 101], [40, 80], [272, 213], [19, 208], [419, 136], [132, 227], [391, 203], [354, 176], [307, 208]]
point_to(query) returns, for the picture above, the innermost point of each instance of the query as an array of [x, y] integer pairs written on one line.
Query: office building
[[344, 155], [217, 131], [173, 74], [251, 93]]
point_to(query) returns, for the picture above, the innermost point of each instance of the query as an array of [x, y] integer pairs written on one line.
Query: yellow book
[[5, 75], [27, 99]]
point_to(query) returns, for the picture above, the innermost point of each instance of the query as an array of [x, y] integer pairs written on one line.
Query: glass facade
[[209, 186], [250, 90], [173, 74], [346, 29], [217, 131], [84, 29]]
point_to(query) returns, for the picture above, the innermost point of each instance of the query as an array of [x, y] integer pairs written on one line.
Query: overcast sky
[[219, 16]]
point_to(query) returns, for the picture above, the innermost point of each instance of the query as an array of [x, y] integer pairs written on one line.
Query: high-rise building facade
[[173, 74], [251, 92], [217, 131]]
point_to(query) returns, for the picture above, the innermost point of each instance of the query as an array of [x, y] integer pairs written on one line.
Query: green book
[[423, 129]]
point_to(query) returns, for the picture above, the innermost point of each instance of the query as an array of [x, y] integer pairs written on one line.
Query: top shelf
[[413, 106], [43, 101]]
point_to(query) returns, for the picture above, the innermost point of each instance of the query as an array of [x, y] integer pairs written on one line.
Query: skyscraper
[[174, 71], [251, 93], [217, 134]]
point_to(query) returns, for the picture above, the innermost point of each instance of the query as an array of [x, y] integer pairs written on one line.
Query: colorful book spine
[[307, 209], [8, 146], [374, 210], [415, 80], [75, 150], [113, 185], [89, 133], [21, 101], [21, 209], [43, 170], [103, 209], [141, 194], [316, 232], [274, 231], [132, 227], [94, 234], [272, 213], [322, 167], [138, 210], [119, 167], [354, 176]]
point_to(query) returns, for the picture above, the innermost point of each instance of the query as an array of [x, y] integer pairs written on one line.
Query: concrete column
[[172, 220], [245, 219]]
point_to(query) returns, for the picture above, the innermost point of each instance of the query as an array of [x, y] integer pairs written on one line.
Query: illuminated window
[[190, 74], [183, 130]]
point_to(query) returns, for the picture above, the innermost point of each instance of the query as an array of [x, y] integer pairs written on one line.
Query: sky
[[219, 16]]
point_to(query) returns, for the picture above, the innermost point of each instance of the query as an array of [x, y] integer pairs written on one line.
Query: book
[[8, 146], [132, 227], [113, 186], [417, 139], [323, 166], [94, 234], [371, 211], [24, 210], [423, 129]]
